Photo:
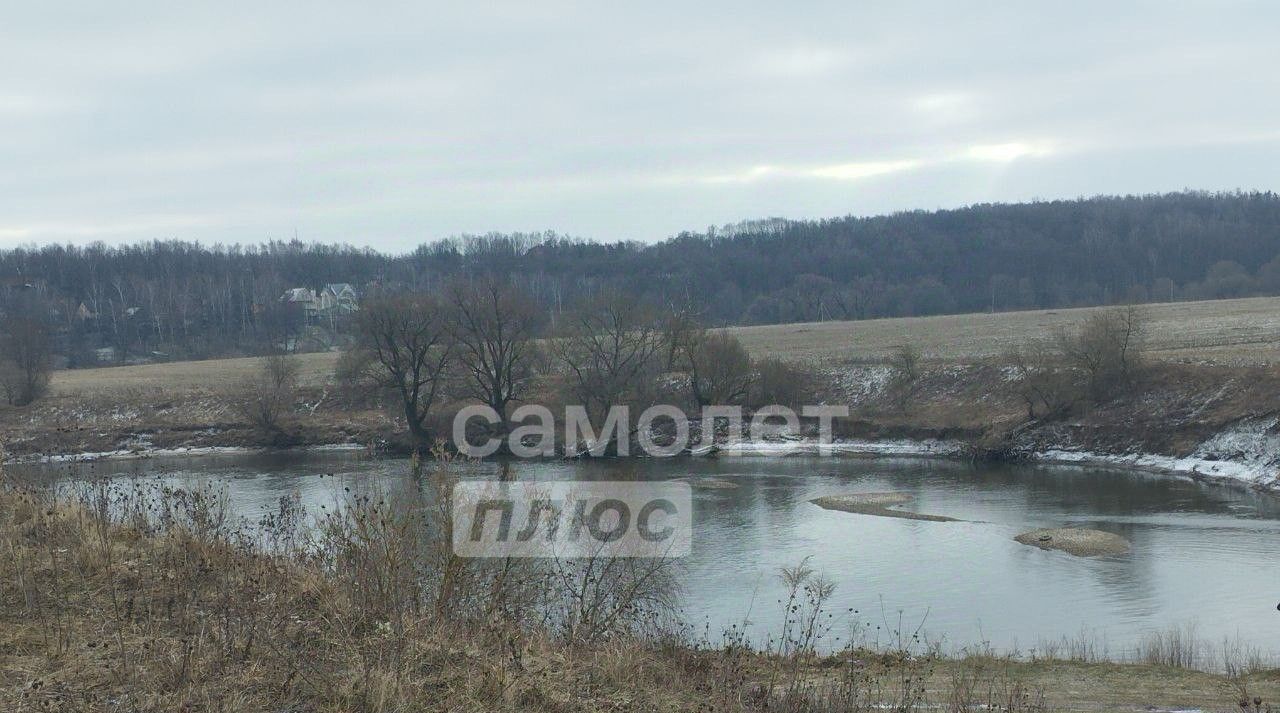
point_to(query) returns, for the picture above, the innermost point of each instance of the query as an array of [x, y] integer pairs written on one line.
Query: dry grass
[[157, 601]]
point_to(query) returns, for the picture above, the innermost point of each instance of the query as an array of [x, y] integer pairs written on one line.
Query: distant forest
[[173, 299]]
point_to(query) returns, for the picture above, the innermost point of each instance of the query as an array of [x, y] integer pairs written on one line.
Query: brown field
[[1233, 332], [216, 375]]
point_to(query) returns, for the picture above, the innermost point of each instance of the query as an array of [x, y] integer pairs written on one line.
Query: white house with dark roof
[[337, 299]]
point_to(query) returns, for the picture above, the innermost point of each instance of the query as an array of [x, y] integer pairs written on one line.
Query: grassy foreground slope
[[162, 603]]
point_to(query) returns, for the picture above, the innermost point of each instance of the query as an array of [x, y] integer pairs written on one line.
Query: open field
[[219, 375], [1225, 332], [1231, 332]]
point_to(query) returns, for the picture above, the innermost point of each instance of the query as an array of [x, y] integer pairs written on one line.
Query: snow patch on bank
[[138, 454], [862, 383], [1248, 453], [928, 448]]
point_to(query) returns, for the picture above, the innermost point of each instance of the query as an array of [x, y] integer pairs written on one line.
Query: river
[[1203, 556]]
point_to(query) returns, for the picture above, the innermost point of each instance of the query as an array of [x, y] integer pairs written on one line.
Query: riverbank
[[1260, 473], [1205, 420], [1230, 473]]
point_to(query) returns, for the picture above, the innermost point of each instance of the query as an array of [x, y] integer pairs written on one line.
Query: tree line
[[483, 341], [172, 299], [428, 355]]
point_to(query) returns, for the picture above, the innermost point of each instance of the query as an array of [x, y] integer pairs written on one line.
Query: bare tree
[[494, 324], [409, 339], [610, 348], [718, 367], [26, 352], [679, 328]]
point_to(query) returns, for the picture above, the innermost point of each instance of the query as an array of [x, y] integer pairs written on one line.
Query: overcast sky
[[389, 126]]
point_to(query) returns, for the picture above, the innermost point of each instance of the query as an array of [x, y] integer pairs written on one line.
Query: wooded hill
[[191, 300]]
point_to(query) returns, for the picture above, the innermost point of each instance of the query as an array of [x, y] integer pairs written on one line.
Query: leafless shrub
[[1101, 358], [1107, 349], [1041, 379], [906, 373], [1084, 647], [781, 382], [267, 397], [680, 327], [1239, 658], [601, 597], [356, 376], [1239, 665], [1177, 647]]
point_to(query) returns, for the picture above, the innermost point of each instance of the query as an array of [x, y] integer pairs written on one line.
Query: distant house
[[332, 303], [298, 296], [300, 305], [338, 299]]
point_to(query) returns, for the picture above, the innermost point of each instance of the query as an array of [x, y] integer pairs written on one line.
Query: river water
[[1203, 557]]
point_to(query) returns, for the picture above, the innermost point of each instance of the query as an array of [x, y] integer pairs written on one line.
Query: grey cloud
[[391, 124]]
